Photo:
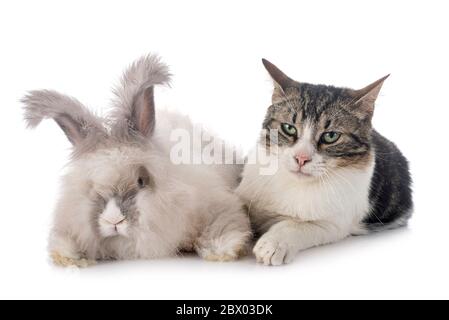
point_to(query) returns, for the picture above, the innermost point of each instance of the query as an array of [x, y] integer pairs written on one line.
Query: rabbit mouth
[[112, 222], [109, 229]]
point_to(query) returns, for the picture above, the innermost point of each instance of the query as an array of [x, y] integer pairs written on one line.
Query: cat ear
[[280, 79], [366, 97]]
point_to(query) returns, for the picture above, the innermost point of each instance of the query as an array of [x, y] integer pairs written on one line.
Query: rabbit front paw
[[64, 261], [227, 247]]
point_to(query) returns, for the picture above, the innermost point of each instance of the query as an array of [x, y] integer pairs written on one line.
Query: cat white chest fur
[[341, 197]]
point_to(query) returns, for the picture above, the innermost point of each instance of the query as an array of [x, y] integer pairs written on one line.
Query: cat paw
[[223, 251], [63, 261], [271, 251]]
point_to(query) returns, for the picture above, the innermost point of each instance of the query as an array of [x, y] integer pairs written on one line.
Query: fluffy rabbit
[[122, 197]]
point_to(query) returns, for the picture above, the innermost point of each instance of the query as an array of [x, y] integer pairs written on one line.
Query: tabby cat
[[336, 176]]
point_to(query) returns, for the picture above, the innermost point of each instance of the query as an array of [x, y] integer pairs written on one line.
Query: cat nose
[[302, 159]]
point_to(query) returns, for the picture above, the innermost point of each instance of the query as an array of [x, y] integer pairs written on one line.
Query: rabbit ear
[[143, 113], [74, 119], [134, 110]]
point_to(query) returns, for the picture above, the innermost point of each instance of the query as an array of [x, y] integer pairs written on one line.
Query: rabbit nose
[[116, 220], [112, 213]]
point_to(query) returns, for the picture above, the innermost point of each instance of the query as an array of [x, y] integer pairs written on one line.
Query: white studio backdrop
[[214, 49]]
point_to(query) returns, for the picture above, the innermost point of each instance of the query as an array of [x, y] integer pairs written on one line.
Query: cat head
[[316, 129]]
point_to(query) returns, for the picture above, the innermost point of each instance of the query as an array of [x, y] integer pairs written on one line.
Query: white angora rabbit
[[123, 197]]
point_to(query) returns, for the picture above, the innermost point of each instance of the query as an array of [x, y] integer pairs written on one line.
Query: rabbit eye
[[141, 182], [143, 178]]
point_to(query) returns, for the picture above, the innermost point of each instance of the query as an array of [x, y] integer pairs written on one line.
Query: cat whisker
[[335, 193]]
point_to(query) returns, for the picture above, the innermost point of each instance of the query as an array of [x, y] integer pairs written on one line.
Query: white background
[[214, 50]]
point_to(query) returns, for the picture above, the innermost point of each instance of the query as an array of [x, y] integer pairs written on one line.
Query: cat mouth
[[300, 173]]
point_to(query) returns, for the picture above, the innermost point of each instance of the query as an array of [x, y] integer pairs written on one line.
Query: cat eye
[[330, 137], [289, 130]]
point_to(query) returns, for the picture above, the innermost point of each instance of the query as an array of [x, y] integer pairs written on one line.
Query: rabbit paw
[[63, 261], [228, 247]]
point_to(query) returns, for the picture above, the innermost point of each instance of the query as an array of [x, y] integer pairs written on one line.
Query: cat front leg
[[281, 243]]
